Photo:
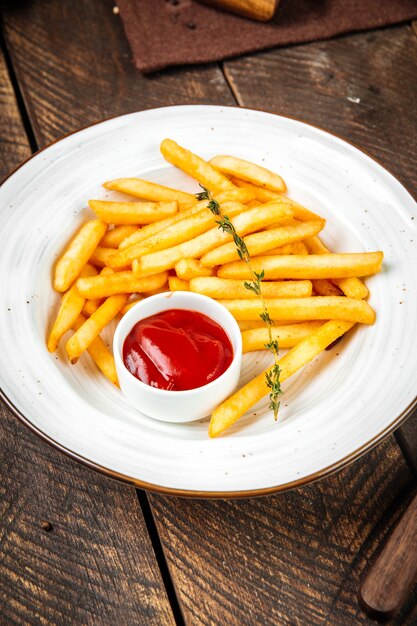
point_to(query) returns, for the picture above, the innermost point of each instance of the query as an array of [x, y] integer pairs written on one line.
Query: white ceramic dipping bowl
[[178, 406]]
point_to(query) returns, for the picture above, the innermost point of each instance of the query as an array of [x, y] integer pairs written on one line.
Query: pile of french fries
[[166, 240]]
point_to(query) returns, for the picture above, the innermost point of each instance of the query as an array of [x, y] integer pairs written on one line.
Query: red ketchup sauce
[[177, 350]]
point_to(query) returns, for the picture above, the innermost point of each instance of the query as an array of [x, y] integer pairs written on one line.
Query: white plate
[[334, 410]]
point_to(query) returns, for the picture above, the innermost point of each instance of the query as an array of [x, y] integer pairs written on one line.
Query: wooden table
[[78, 548]]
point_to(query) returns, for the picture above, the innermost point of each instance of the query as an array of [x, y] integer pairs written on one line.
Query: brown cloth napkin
[[176, 32]]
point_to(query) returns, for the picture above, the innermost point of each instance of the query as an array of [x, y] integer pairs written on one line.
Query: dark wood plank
[[74, 68], [294, 558], [14, 146], [359, 86], [74, 546], [407, 438], [275, 560]]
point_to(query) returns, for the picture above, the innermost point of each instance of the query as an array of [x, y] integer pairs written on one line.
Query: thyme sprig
[[271, 376]]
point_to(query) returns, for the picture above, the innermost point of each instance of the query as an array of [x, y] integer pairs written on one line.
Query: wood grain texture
[[295, 558], [407, 438], [74, 68], [361, 86], [14, 146], [74, 548]]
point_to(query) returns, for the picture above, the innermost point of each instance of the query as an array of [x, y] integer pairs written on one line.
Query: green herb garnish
[[272, 376]]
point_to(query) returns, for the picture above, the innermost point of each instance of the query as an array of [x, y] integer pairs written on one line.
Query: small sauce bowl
[[178, 406]]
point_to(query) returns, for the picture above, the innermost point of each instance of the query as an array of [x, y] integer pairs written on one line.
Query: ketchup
[[177, 350]]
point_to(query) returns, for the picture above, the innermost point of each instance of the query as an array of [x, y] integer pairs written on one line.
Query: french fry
[[172, 235], [132, 212], [90, 307], [176, 284], [78, 253], [232, 195], [298, 247], [100, 354], [221, 288], [248, 324], [153, 292], [186, 269], [245, 170], [150, 191], [245, 223], [253, 203], [311, 266], [195, 166], [257, 323], [288, 336], [261, 242], [93, 326], [71, 306], [325, 287], [119, 283], [351, 287], [114, 237], [101, 256], [234, 407], [266, 195], [297, 309]]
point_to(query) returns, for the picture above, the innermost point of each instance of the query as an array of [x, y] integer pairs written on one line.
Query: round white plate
[[335, 409]]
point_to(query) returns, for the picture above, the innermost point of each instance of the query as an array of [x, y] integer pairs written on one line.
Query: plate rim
[[192, 493]]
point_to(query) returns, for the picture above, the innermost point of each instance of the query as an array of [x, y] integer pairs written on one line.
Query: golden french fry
[[120, 282], [195, 166], [266, 195], [78, 253], [71, 306], [234, 407], [245, 170], [288, 336], [298, 247], [100, 354], [261, 242], [101, 256], [351, 287], [131, 304], [92, 327], [297, 309], [132, 212], [257, 323], [186, 269], [248, 324], [172, 235], [90, 307], [150, 191], [176, 284], [311, 266], [232, 195], [153, 292], [325, 287], [245, 223], [221, 288], [114, 237]]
